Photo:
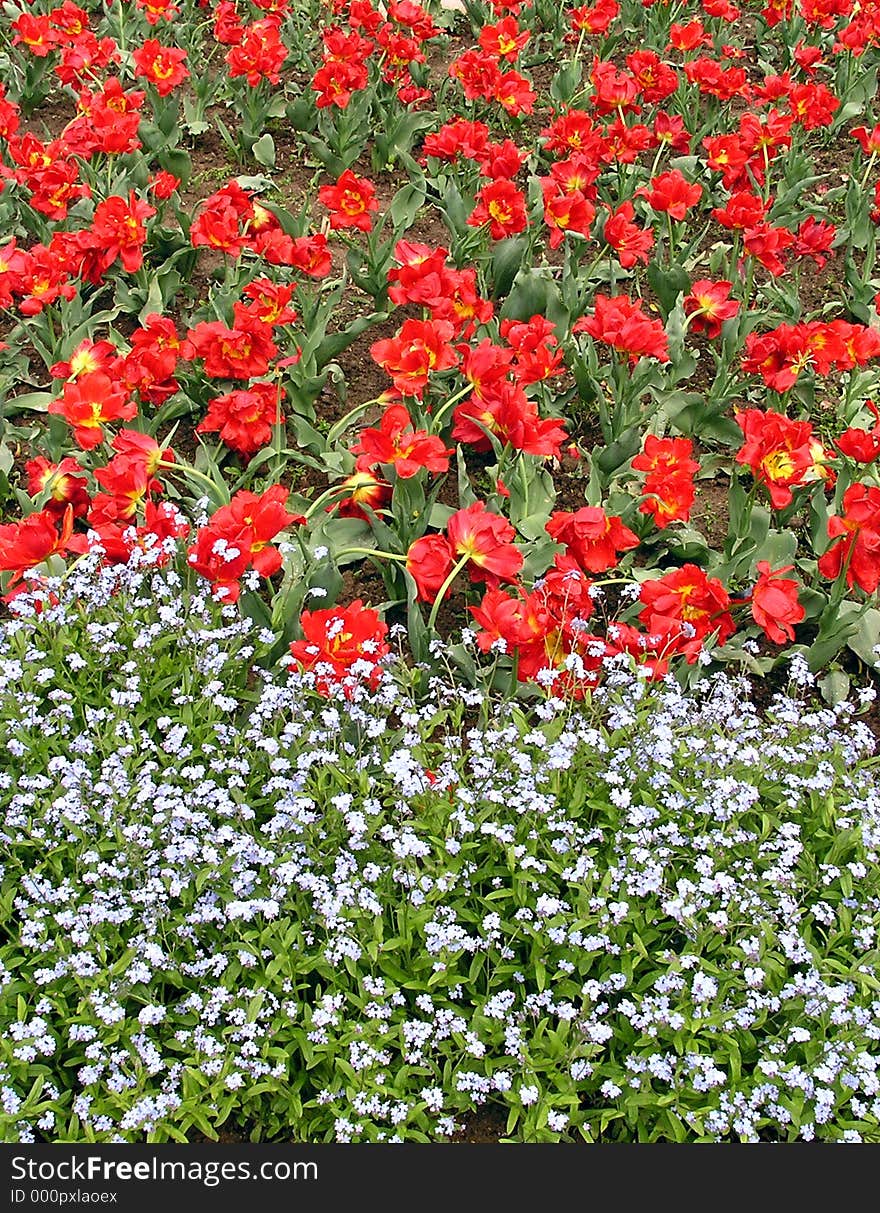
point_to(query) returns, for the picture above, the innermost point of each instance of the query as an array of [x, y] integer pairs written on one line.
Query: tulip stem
[[867, 172], [447, 405], [456, 569], [369, 552], [335, 490], [339, 428], [192, 473]]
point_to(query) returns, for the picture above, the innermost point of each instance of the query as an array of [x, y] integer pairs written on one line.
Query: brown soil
[[710, 513], [485, 1127]]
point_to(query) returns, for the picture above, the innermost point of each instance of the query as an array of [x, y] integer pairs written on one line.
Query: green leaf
[[194, 124], [507, 257], [335, 343], [34, 402], [340, 533], [440, 515], [405, 205], [538, 557], [263, 151], [455, 211], [667, 283], [254, 185], [619, 452], [533, 526], [829, 642], [834, 687], [530, 295], [778, 549], [301, 113], [566, 82], [154, 301], [867, 638], [417, 631], [176, 161]]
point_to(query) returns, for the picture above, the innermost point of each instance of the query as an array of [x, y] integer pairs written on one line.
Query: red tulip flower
[[621, 323], [429, 561], [474, 537], [126, 483], [592, 537], [25, 544], [743, 210], [118, 226], [688, 598], [238, 537], [341, 643], [89, 403], [240, 352], [397, 443], [594, 18], [512, 417], [420, 348], [88, 356], [779, 452], [162, 66], [862, 445], [244, 419], [365, 489], [669, 483], [868, 139], [631, 243], [260, 54], [351, 201], [672, 194], [775, 606], [708, 305], [503, 207], [856, 539], [64, 486], [565, 211], [143, 449], [487, 541], [504, 40], [765, 243]]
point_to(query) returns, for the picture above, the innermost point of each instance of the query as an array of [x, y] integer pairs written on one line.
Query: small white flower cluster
[[230, 888]]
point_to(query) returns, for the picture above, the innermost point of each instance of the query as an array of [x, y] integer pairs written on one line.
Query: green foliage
[[228, 902]]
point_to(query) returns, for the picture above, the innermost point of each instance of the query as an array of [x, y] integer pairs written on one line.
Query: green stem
[[867, 172], [49, 317], [656, 164], [456, 569], [343, 423], [278, 435], [447, 405], [749, 285], [122, 47], [192, 473], [370, 552], [734, 256], [594, 263], [334, 491]]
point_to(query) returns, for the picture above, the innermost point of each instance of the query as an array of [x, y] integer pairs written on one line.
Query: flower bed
[[583, 357], [416, 423], [236, 904]]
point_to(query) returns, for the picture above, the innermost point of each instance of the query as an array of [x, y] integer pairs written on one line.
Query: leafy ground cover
[[236, 905], [460, 359]]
